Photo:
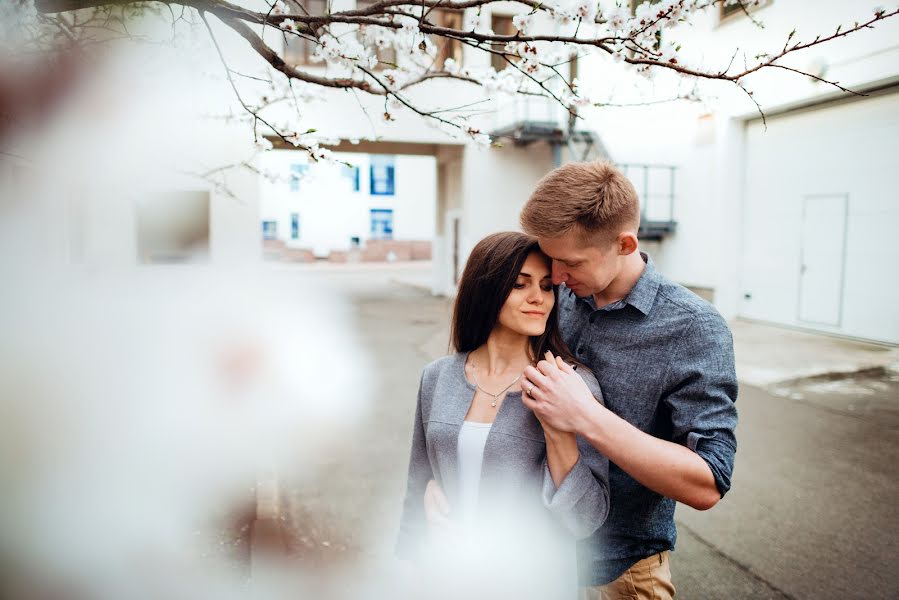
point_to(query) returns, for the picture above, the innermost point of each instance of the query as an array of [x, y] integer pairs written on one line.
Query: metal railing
[[655, 185]]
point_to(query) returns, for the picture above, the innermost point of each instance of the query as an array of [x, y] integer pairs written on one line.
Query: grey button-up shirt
[[664, 360]]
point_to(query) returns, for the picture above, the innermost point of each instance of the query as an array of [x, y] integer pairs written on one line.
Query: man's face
[[586, 270]]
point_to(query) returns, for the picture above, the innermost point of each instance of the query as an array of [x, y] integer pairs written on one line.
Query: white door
[[819, 244], [822, 257]]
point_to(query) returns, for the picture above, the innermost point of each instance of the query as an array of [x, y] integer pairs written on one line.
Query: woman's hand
[[437, 510]]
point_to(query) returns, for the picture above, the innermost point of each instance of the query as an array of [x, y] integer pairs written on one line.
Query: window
[[501, 25], [730, 9], [382, 223], [386, 56], [297, 172], [173, 227], [295, 226], [381, 176], [733, 9], [269, 230], [352, 173], [636, 3], [299, 49], [446, 47]]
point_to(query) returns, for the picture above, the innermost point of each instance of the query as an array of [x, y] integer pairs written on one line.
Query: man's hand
[[557, 395], [437, 510]]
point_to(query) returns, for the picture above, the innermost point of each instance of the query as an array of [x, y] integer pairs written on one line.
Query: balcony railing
[[655, 185]]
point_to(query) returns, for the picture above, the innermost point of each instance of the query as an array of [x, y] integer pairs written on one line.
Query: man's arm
[[696, 472], [666, 468]]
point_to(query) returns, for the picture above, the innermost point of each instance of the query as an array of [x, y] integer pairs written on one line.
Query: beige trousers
[[647, 579]]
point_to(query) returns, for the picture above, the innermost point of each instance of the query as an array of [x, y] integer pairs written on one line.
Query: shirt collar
[[642, 295]]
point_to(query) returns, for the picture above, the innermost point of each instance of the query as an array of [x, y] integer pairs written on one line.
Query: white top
[[472, 439]]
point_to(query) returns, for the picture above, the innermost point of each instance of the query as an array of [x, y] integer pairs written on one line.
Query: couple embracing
[[588, 394]]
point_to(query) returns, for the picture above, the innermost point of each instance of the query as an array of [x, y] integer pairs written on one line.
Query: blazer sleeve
[[581, 502], [413, 524]]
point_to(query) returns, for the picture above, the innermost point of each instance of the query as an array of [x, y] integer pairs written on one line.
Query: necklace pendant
[[493, 404]]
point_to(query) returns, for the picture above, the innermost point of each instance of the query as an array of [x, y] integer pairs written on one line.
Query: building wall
[[719, 176], [332, 212], [819, 233]]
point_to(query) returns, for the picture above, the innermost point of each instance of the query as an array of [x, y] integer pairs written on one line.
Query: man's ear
[[627, 243]]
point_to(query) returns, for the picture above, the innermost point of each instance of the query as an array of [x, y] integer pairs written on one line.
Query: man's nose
[[558, 275]]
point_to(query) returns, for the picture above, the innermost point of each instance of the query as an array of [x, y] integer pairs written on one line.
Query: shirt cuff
[[718, 454]]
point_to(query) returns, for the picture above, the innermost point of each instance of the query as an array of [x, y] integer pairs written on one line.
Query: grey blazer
[[514, 471]]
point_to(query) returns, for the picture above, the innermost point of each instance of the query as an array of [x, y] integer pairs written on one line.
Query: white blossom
[[345, 52], [289, 25], [675, 10], [394, 79], [563, 17], [669, 54], [506, 82], [570, 99], [279, 8], [479, 137], [523, 22], [263, 144], [617, 19], [471, 21], [645, 14], [321, 154], [408, 33], [586, 10], [451, 66]]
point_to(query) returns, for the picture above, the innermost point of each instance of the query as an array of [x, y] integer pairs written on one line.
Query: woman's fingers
[[548, 365], [535, 376], [564, 366], [435, 499]]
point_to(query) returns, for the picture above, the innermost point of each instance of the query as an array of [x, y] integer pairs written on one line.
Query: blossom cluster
[[532, 66]]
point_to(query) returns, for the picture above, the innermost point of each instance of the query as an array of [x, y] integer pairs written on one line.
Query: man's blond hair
[[594, 199]]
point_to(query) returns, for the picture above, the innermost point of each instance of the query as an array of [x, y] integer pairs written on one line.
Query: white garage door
[[821, 219]]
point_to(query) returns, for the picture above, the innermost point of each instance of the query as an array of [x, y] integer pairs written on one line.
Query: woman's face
[[527, 308]]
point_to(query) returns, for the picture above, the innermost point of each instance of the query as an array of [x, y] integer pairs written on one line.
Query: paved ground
[[812, 513]]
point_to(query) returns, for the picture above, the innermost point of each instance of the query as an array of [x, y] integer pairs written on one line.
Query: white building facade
[[789, 220], [335, 207]]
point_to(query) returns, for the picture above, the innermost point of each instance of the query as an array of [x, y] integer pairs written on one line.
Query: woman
[[515, 494]]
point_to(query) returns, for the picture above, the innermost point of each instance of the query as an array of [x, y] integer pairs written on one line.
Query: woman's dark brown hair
[[491, 271]]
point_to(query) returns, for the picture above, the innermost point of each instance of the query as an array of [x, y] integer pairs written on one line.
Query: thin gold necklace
[[494, 396]]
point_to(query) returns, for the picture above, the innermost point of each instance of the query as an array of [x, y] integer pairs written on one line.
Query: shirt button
[[580, 351], [592, 319]]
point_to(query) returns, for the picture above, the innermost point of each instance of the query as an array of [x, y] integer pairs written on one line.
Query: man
[[664, 359]]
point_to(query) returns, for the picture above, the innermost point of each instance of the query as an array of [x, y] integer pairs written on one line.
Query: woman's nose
[[536, 295]]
